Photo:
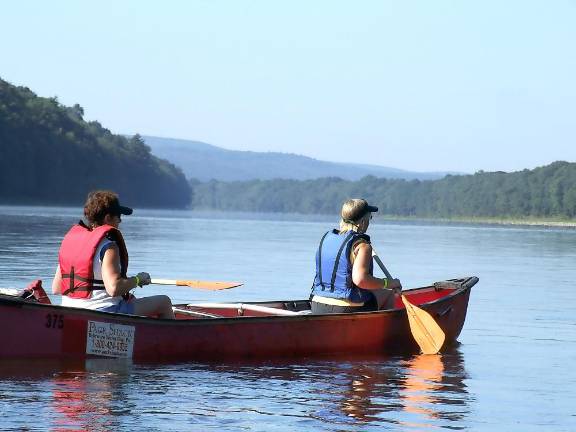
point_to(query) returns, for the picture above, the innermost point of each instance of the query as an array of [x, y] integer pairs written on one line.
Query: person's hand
[[143, 278], [395, 285]]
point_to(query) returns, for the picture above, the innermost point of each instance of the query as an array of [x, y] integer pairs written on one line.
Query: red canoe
[[220, 331]]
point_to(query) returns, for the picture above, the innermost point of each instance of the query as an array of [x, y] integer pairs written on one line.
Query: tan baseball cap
[[354, 209]]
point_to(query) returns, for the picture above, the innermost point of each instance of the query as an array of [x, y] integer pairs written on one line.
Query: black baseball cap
[[118, 209]]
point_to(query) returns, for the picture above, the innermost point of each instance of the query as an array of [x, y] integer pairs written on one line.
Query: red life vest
[[76, 259]]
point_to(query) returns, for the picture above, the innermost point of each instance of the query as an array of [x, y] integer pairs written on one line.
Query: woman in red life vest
[[93, 261]]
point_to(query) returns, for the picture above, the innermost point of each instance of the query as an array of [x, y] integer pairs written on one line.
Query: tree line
[[547, 192], [50, 155]]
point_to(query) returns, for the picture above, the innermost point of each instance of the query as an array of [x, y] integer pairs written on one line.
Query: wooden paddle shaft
[[381, 264], [208, 285], [167, 282]]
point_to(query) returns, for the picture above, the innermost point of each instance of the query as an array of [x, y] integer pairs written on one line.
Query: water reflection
[[420, 392], [417, 392], [398, 393], [424, 376], [434, 389], [90, 399], [78, 395]]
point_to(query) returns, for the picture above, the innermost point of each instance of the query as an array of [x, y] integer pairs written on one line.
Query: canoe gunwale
[[457, 290], [466, 285]]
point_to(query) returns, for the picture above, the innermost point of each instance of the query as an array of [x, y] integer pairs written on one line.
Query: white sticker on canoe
[[110, 340]]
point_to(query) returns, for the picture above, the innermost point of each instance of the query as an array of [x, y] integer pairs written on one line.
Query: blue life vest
[[334, 270]]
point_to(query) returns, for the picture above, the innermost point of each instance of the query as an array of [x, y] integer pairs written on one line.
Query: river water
[[512, 371]]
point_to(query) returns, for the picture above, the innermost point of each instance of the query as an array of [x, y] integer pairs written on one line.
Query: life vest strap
[[337, 262], [320, 260], [93, 284]]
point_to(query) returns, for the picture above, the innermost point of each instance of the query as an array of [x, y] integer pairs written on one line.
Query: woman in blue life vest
[[93, 261], [344, 281]]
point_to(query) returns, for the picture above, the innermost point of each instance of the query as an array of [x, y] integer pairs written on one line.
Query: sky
[[417, 85]]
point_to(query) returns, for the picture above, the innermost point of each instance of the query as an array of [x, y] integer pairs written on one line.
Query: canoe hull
[[33, 330]]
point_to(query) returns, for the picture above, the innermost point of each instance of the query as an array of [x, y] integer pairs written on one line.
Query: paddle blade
[[426, 331], [207, 285]]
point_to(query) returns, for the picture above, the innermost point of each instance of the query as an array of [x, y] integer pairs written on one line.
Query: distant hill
[[205, 162], [50, 155]]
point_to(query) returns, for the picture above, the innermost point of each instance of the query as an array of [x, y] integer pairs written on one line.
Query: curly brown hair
[[99, 204]]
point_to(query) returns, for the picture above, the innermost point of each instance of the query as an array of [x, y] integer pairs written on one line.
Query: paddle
[[427, 333], [206, 285]]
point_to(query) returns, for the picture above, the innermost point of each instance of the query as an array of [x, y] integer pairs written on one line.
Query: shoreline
[[544, 223], [494, 221]]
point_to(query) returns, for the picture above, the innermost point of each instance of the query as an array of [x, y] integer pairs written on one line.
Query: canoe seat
[[32, 293], [36, 291], [195, 314], [240, 309]]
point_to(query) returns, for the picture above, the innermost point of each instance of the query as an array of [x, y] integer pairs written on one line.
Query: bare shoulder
[[362, 245], [112, 251]]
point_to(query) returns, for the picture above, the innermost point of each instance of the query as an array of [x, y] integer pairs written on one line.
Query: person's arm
[[361, 271], [115, 284], [57, 281]]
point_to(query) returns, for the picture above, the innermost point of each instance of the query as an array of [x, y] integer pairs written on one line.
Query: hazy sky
[[418, 85]]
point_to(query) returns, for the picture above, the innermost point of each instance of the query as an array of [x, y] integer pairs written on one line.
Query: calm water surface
[[513, 369]]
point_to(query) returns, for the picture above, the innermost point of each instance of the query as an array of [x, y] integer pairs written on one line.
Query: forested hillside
[[206, 162], [50, 155], [547, 192]]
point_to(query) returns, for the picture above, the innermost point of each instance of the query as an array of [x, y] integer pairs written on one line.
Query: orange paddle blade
[[426, 331], [199, 284]]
